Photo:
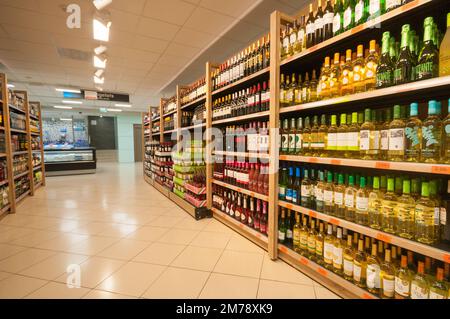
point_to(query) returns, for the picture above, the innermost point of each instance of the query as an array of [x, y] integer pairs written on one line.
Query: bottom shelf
[[22, 197], [182, 203], [5, 209], [161, 188], [330, 280], [37, 185], [242, 229]]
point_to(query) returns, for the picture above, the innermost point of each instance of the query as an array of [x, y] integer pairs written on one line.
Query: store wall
[[125, 136], [60, 132], [102, 132]]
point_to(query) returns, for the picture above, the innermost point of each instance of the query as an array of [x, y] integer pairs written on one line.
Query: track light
[[98, 80], [101, 4], [72, 102], [99, 73], [63, 107], [100, 61], [101, 24], [67, 90], [100, 50]]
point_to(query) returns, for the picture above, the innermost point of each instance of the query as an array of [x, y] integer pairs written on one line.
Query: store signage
[[71, 95], [106, 96]]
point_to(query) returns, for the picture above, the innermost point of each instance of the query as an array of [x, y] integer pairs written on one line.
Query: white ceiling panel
[[230, 7], [193, 38], [123, 21], [172, 60], [157, 29], [119, 38], [23, 4], [182, 50], [208, 21], [244, 32], [149, 44], [27, 34], [172, 11], [134, 6]]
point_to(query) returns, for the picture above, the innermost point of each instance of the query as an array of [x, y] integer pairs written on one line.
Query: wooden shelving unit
[[36, 184], [438, 87]]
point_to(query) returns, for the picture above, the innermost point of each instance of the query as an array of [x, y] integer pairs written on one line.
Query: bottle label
[[347, 17], [349, 201], [412, 134], [396, 139], [336, 23], [434, 295], [338, 198], [286, 43], [362, 203], [237, 213], [348, 267], [364, 140], [328, 252], [285, 142], [252, 142], [390, 4], [373, 276], [243, 218], [294, 196], [310, 28], [305, 191], [318, 24], [359, 9], [426, 70], [292, 141], [357, 273], [319, 194], [352, 141], [388, 287], [332, 141], [385, 140], [402, 287], [298, 141], [443, 218], [429, 136], [328, 18], [319, 248], [289, 194], [293, 38], [281, 236], [374, 7], [304, 240], [328, 197], [301, 35], [311, 243], [342, 141], [418, 292], [447, 129], [282, 192], [337, 256], [289, 234], [437, 215]]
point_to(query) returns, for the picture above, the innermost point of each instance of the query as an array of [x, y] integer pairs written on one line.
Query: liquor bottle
[[420, 287], [334, 76], [305, 89], [299, 137], [319, 193], [349, 255], [307, 138], [314, 136], [289, 234], [396, 151], [283, 184], [328, 195], [320, 237], [353, 137], [368, 138], [385, 67], [293, 38], [306, 190], [424, 217], [323, 83], [349, 14], [263, 223], [446, 138], [360, 266], [283, 92], [290, 87], [370, 69], [358, 71], [322, 137], [245, 213], [376, 8], [338, 17], [413, 133], [362, 203], [432, 135], [290, 185], [312, 234], [304, 238], [387, 277], [328, 15], [296, 233], [342, 142], [405, 212], [328, 247], [389, 202], [318, 24], [428, 63], [349, 199], [284, 45], [361, 11], [439, 289], [392, 4], [347, 75], [282, 227], [384, 134], [403, 71], [444, 52], [285, 137], [332, 137], [403, 278], [310, 29], [338, 195], [291, 137], [338, 253], [251, 216], [313, 84], [301, 34], [373, 272], [296, 191], [238, 208]]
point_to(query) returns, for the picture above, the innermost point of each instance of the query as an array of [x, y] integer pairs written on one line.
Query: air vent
[[74, 54]]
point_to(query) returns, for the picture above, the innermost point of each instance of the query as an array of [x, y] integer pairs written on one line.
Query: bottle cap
[[428, 21], [448, 20], [291, 171], [397, 111], [368, 115], [341, 179], [351, 180], [390, 185], [432, 107], [330, 177], [406, 186], [425, 189], [334, 118], [343, 119], [362, 182], [406, 28], [355, 118], [414, 109]]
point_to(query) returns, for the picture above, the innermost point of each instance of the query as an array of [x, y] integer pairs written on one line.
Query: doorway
[[137, 132]]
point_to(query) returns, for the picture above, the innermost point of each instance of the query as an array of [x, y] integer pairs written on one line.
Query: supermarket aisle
[[130, 241]]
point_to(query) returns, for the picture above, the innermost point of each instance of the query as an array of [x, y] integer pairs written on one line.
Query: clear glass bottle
[[314, 136], [349, 255], [403, 278], [296, 233], [360, 266], [362, 203], [328, 247], [349, 199], [312, 234], [420, 286], [388, 205], [347, 75], [338, 253], [368, 138], [432, 135], [332, 137], [358, 70], [305, 190], [342, 142], [322, 143], [304, 238], [353, 137], [338, 196], [306, 147], [405, 212], [319, 192], [282, 227], [387, 277], [396, 151], [328, 195], [319, 244], [439, 289], [373, 272], [384, 134], [424, 217], [413, 133], [333, 79], [375, 198], [371, 65]]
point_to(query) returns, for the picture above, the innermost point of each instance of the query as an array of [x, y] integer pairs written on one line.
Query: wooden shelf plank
[[18, 131], [243, 80], [38, 167], [4, 182], [241, 190], [241, 154], [12, 107], [35, 133], [156, 119], [426, 250], [193, 127], [170, 131], [195, 102], [416, 87], [170, 113], [185, 205], [242, 118], [22, 197], [442, 169], [21, 175], [2, 128], [3, 155], [34, 117], [5, 209], [20, 153], [244, 230]]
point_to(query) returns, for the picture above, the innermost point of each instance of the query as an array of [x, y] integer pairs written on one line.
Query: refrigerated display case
[[70, 161]]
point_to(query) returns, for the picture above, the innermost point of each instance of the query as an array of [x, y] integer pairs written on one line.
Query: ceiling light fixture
[[72, 102], [64, 119], [123, 105], [100, 61], [101, 24], [63, 107], [101, 4], [98, 80], [100, 50], [10, 86], [67, 90], [99, 73], [114, 110]]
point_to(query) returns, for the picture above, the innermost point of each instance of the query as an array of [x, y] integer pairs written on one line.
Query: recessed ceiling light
[[100, 61], [101, 4], [98, 80], [64, 119], [101, 29], [11, 86], [72, 102], [67, 90], [99, 73], [123, 105], [114, 110], [63, 107]]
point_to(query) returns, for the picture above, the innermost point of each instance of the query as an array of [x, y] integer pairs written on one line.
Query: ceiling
[[154, 44]]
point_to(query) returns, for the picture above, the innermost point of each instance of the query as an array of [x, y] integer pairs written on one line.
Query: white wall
[[125, 138]]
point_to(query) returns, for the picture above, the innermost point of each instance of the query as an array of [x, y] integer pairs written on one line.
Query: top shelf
[[241, 81], [358, 29], [34, 117], [194, 102], [16, 109], [170, 113]]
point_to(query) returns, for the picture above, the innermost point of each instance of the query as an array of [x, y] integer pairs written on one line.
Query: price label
[[313, 160], [322, 271], [252, 194], [383, 165], [446, 258], [357, 29], [241, 225], [283, 157], [441, 170], [289, 206], [304, 261], [335, 221], [283, 249], [384, 237], [312, 214], [336, 162], [367, 296]]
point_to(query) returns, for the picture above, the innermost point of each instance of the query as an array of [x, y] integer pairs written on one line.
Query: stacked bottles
[[20, 164], [34, 109], [18, 121], [193, 92], [170, 105], [22, 185], [169, 123], [4, 196], [395, 134], [409, 208], [252, 137], [16, 99], [246, 209], [3, 171], [252, 100], [384, 270], [253, 59], [19, 143]]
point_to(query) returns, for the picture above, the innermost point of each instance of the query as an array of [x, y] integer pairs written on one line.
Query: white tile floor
[[131, 242]]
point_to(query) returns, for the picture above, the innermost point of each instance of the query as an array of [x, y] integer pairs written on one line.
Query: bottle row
[[252, 137], [4, 196], [251, 60], [253, 100], [246, 209], [193, 92], [22, 185], [20, 164], [415, 209], [3, 171], [372, 135], [198, 115], [19, 142], [169, 123], [18, 121], [16, 99], [384, 270], [170, 105]]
